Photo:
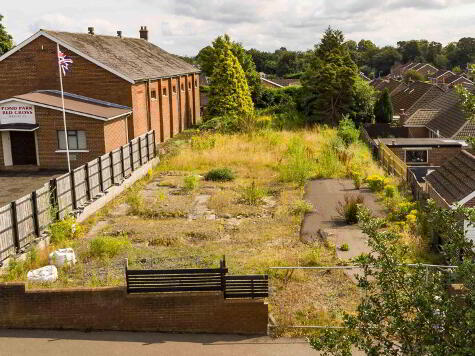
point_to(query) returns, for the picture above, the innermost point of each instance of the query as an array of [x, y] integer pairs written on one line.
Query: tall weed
[[299, 164]]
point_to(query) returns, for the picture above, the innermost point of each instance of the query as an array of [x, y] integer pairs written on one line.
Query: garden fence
[[392, 163], [24, 219]]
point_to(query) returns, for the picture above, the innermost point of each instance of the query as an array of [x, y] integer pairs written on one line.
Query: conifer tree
[[383, 108], [229, 93]]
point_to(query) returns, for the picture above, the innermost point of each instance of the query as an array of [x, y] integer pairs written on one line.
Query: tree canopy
[[383, 108], [6, 40]]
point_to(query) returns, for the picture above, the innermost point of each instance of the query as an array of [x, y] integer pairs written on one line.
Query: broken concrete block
[[43, 274], [62, 256]]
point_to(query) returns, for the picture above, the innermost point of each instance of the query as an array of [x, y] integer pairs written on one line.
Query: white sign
[[15, 112]]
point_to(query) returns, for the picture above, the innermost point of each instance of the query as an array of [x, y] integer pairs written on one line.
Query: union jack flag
[[64, 61]]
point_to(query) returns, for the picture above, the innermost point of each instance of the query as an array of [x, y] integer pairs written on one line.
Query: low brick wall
[[112, 308]]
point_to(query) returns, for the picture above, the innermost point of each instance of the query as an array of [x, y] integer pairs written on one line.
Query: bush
[[401, 210], [191, 182], [356, 179], [203, 142], [252, 195], [390, 191], [344, 247], [348, 209], [299, 165], [108, 246], [376, 182], [301, 207], [64, 230], [347, 131], [220, 175]]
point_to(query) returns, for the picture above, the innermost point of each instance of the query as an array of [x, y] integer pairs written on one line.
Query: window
[[189, 85], [196, 83], [174, 89], [76, 140], [416, 156], [153, 94], [182, 87], [164, 91]]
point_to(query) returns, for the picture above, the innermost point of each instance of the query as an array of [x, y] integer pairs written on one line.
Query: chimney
[[144, 33], [90, 30], [402, 117], [119, 34]]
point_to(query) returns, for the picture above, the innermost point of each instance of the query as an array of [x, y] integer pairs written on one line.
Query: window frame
[[182, 86], [196, 83], [416, 149], [174, 89], [153, 94], [75, 134], [164, 91]]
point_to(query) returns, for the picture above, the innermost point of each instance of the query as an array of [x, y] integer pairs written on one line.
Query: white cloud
[[185, 26]]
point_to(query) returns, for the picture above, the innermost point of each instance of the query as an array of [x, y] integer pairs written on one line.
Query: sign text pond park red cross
[[15, 112]]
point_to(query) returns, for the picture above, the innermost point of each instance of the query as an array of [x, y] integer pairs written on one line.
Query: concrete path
[[325, 194], [76, 343]]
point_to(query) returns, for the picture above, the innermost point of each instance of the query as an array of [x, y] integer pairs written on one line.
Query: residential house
[[393, 85], [426, 69], [279, 82], [117, 89]]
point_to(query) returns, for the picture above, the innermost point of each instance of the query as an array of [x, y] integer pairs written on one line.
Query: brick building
[[146, 87]]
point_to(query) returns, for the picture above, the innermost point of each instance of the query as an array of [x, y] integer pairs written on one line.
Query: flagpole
[[64, 112]]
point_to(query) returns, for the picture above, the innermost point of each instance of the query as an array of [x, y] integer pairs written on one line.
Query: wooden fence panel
[[25, 222], [151, 145], [93, 175], [106, 171], [7, 242], [117, 166], [135, 153], [392, 163], [251, 286], [65, 201], [127, 160], [44, 207], [80, 185]]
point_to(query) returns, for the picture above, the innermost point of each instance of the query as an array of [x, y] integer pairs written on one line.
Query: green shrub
[[204, 142], [401, 210], [252, 194], [349, 207], [347, 131], [344, 247], [376, 182], [356, 176], [298, 165], [135, 201], [108, 246], [301, 207], [64, 230], [191, 182], [220, 175], [390, 191]]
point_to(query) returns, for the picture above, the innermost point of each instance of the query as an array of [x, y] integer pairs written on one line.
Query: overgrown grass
[[108, 246], [220, 175]]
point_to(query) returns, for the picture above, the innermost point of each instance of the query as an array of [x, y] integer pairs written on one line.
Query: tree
[[412, 75], [410, 50], [385, 59], [208, 57], [229, 92], [329, 81], [467, 101], [383, 108], [6, 40], [362, 108], [410, 310]]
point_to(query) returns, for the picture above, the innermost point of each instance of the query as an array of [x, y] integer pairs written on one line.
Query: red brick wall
[[139, 123], [115, 134], [418, 132], [174, 119], [113, 309], [437, 155], [155, 110], [196, 101], [50, 122], [34, 67], [165, 104]]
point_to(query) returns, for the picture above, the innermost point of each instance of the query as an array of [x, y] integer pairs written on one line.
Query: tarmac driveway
[[14, 185]]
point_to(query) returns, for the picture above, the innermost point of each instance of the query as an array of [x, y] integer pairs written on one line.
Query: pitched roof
[[421, 117], [421, 142], [133, 59], [455, 179], [450, 118], [406, 98], [388, 83], [468, 130], [76, 104]]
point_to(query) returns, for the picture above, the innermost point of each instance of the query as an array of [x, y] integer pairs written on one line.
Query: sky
[[185, 26]]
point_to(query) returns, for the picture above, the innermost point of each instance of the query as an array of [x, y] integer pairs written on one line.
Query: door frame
[[7, 148]]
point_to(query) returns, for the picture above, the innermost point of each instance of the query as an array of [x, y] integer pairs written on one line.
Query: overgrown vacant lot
[[176, 218]]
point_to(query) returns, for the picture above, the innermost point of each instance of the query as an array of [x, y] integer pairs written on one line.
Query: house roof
[[455, 179], [405, 99], [388, 83], [422, 142], [468, 130], [133, 59], [74, 104], [421, 117], [450, 118]]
